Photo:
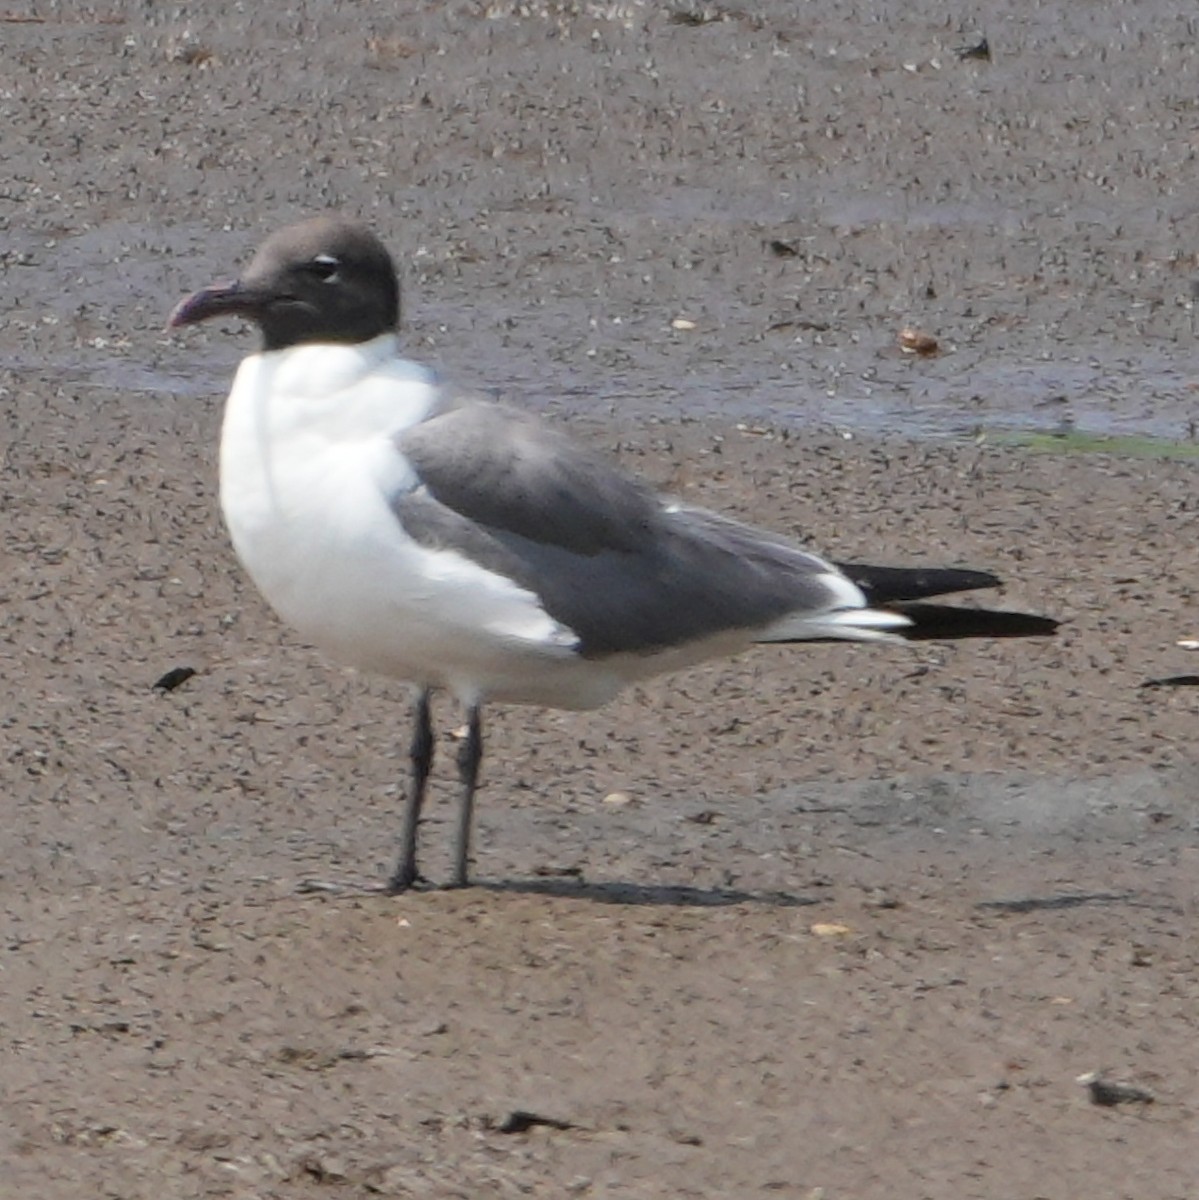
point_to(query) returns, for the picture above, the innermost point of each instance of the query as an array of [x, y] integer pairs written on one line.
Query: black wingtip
[[1172, 681], [890, 585], [944, 621]]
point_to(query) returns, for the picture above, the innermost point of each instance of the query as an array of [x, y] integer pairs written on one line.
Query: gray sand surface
[[822, 922]]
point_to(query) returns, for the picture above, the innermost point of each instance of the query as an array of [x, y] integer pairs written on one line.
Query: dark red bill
[[218, 300]]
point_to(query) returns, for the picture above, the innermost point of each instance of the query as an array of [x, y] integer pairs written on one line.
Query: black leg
[[421, 754], [470, 755]]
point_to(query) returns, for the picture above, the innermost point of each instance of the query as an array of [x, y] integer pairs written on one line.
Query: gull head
[[328, 279]]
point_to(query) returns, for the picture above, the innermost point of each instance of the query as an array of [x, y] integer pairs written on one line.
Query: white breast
[[308, 464]]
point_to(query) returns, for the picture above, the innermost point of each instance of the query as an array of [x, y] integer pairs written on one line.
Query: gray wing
[[509, 472], [606, 556]]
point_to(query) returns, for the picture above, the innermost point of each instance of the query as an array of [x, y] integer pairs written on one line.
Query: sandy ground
[[835, 921]]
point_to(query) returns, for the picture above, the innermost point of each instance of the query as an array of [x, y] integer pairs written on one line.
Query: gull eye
[[323, 266]]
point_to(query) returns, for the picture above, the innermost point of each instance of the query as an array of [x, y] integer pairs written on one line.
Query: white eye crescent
[[323, 266]]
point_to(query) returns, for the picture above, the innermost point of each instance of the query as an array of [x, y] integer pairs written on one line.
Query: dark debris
[[175, 677], [521, 1121], [980, 51]]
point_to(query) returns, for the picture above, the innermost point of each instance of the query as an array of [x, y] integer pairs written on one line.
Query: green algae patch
[[1076, 441]]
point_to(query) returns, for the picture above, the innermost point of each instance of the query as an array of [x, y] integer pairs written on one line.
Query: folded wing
[[622, 568]]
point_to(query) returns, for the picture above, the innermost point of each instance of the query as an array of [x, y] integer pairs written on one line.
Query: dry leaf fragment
[[916, 341], [618, 799], [830, 929]]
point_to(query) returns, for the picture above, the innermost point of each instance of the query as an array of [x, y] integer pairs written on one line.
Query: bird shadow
[[1026, 904], [646, 895], [572, 887]]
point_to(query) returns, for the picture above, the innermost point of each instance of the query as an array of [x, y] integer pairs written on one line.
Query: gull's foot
[[404, 881]]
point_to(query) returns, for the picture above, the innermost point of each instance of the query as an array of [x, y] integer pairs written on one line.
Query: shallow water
[[798, 183]]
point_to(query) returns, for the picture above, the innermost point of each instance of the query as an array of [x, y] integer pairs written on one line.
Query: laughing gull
[[412, 531]]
